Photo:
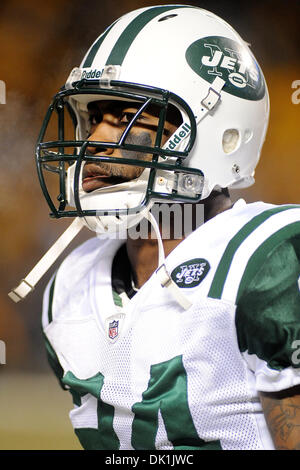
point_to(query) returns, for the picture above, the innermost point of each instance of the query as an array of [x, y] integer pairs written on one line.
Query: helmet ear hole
[[230, 140]]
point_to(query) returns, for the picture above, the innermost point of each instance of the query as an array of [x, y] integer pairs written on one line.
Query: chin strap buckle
[[212, 98], [167, 282], [163, 276]]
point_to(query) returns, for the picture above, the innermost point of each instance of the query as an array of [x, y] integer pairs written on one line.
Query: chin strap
[[27, 285], [162, 273]]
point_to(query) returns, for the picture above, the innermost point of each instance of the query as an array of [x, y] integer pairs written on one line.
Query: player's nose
[[102, 132]]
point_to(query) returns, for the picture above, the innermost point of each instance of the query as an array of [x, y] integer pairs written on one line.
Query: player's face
[[108, 121]]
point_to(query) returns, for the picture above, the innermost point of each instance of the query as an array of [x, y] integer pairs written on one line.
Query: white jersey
[[146, 374]]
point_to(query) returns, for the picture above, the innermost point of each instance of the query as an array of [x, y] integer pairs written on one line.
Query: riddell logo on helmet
[[182, 132], [92, 74]]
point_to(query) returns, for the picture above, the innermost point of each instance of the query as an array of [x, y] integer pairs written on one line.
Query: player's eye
[[126, 117]]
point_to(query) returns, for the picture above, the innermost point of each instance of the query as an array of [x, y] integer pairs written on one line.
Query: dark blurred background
[[40, 42]]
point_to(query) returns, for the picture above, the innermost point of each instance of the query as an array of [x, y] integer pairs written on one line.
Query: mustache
[[102, 169], [112, 170], [92, 168]]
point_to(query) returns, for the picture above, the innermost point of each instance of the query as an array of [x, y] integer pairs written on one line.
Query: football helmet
[[162, 56]]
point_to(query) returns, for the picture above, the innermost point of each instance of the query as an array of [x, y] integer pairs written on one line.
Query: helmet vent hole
[[230, 141], [164, 18]]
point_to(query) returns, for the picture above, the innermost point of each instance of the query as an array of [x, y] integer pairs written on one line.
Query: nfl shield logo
[[113, 329]]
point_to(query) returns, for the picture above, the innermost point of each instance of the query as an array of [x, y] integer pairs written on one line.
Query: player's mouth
[[95, 177]]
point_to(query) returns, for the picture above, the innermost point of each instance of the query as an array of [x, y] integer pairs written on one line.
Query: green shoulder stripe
[[287, 232], [129, 34], [268, 311], [221, 274]]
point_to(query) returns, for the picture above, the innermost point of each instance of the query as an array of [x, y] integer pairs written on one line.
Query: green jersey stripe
[[220, 276], [129, 34], [287, 232], [95, 48], [51, 293]]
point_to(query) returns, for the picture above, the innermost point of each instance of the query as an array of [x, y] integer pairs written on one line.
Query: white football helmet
[[166, 55]]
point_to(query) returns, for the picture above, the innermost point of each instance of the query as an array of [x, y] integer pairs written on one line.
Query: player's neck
[[143, 252], [216, 203]]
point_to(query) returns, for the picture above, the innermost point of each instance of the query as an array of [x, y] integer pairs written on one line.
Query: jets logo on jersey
[[190, 273]]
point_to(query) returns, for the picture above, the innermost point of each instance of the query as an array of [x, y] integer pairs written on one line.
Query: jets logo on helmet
[[218, 56]]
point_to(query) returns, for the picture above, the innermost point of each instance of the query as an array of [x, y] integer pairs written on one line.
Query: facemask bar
[[62, 165], [149, 95]]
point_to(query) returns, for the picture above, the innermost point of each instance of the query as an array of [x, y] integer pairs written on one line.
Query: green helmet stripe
[[220, 276], [129, 34], [94, 49]]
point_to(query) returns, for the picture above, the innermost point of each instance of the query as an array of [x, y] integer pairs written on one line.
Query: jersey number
[[166, 392]]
